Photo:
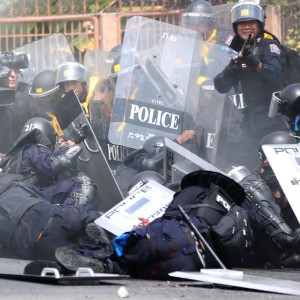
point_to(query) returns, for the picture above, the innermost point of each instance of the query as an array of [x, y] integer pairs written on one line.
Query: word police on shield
[[151, 116]]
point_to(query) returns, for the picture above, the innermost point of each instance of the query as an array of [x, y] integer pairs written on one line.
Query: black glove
[[252, 57], [232, 70], [79, 133]]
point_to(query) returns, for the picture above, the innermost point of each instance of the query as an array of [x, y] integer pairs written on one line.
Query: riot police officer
[[167, 244], [32, 227], [267, 174], [269, 227], [200, 16], [258, 68], [73, 75], [287, 104], [45, 94], [34, 157]]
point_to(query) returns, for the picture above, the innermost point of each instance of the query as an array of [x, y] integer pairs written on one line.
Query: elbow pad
[[155, 163], [64, 161]]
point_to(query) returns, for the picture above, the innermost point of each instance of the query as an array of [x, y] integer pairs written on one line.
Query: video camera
[[10, 60]]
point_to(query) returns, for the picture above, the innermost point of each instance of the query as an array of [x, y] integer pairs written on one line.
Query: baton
[[200, 236]]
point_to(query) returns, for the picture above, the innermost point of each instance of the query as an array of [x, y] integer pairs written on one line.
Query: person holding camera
[[258, 70], [14, 98]]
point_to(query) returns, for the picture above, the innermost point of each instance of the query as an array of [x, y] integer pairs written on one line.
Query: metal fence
[[24, 21]]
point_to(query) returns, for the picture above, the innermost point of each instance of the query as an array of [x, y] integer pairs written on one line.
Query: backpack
[[233, 237], [291, 71]]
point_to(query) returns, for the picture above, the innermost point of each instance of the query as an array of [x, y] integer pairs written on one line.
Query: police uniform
[[257, 93], [164, 245], [35, 162], [32, 227]]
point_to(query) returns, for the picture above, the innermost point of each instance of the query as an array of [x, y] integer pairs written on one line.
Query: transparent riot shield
[[153, 79], [229, 124], [45, 54], [165, 87], [91, 160], [101, 86], [210, 103]]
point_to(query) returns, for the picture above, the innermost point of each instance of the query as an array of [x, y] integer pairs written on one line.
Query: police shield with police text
[[158, 91]]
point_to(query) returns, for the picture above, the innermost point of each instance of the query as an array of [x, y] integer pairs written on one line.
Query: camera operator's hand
[[252, 57], [79, 133]]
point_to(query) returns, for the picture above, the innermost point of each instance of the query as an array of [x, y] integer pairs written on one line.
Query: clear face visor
[[197, 21], [275, 104], [39, 93], [238, 173]]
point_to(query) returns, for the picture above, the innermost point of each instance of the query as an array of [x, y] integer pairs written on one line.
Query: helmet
[[115, 67], [291, 100], [247, 11], [116, 49], [155, 143], [287, 103], [145, 176], [203, 178], [122, 64], [276, 137], [43, 84], [43, 125], [236, 173], [70, 71], [199, 16]]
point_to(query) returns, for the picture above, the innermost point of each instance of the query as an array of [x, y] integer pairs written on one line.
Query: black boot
[[96, 233], [71, 260], [285, 241], [290, 261]]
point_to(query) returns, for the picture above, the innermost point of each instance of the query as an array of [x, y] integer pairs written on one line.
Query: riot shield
[[165, 86], [152, 82], [45, 54], [69, 114], [101, 87]]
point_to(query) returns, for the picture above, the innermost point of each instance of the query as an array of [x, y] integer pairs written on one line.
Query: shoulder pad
[[268, 36]]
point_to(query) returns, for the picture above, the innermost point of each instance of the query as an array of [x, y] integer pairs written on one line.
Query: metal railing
[[80, 21]]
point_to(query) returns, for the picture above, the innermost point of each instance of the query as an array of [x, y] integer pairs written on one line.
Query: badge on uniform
[[274, 49]]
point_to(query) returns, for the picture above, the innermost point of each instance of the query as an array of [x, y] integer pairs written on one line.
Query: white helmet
[[70, 71], [247, 11]]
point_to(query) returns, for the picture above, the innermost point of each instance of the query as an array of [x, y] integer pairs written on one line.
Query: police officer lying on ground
[[34, 155], [32, 227], [240, 222]]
